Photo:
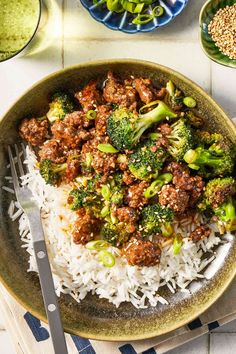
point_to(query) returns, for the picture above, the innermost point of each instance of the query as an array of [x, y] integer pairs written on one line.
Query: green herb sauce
[[18, 21]]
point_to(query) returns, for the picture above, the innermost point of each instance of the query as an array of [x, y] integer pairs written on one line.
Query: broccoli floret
[[206, 139], [226, 214], [125, 127], [92, 183], [180, 139], [217, 198], [116, 234], [174, 96], [156, 219], [61, 105], [209, 162], [218, 190], [114, 190], [146, 161], [51, 172], [79, 198]]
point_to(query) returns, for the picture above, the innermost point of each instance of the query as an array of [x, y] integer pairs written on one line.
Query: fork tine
[[13, 170], [20, 165], [24, 155]]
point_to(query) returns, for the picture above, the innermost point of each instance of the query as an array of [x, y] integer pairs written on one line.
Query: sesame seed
[[222, 29]]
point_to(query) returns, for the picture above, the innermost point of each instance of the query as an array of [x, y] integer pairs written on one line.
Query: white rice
[[77, 271]]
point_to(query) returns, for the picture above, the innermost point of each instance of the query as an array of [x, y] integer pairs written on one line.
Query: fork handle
[[49, 295]]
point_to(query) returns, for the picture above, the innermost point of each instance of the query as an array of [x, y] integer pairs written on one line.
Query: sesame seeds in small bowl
[[218, 31]]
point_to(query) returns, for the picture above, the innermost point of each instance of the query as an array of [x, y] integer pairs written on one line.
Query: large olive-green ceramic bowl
[[93, 317]]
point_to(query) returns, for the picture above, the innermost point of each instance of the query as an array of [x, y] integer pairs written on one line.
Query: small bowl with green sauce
[[19, 21]]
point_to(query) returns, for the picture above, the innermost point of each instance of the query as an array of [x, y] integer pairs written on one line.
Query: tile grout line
[[143, 39], [62, 33], [209, 343]]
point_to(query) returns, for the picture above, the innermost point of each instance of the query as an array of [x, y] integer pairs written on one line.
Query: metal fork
[[25, 199]]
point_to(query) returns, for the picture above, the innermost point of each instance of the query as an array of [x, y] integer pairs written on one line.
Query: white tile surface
[[197, 346], [84, 39], [159, 52], [6, 346], [222, 343], [224, 87]]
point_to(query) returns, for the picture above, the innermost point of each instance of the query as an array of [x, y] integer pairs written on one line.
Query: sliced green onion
[[113, 219], [189, 102], [91, 114], [106, 192], [165, 177], [108, 148], [106, 258], [154, 188], [139, 8], [115, 5], [177, 244], [154, 136], [158, 11], [105, 211], [170, 87], [143, 19], [167, 229], [97, 245]]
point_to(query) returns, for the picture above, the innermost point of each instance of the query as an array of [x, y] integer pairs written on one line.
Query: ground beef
[[144, 89], [72, 169], [165, 129], [78, 119], [200, 233], [142, 253], [86, 227], [127, 177], [176, 199], [52, 150], [34, 131], [90, 97], [194, 185], [104, 163], [116, 92], [69, 137], [135, 197], [103, 112], [126, 215]]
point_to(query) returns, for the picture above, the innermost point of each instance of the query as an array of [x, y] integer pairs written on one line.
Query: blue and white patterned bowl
[[123, 22]]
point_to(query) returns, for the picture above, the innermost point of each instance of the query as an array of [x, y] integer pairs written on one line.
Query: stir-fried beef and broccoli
[[137, 158]]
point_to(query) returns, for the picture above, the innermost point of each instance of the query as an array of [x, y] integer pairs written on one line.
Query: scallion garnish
[[97, 245], [189, 102], [108, 148], [106, 258], [91, 114], [177, 244]]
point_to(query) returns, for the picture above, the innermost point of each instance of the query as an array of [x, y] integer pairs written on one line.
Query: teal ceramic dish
[[208, 45]]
